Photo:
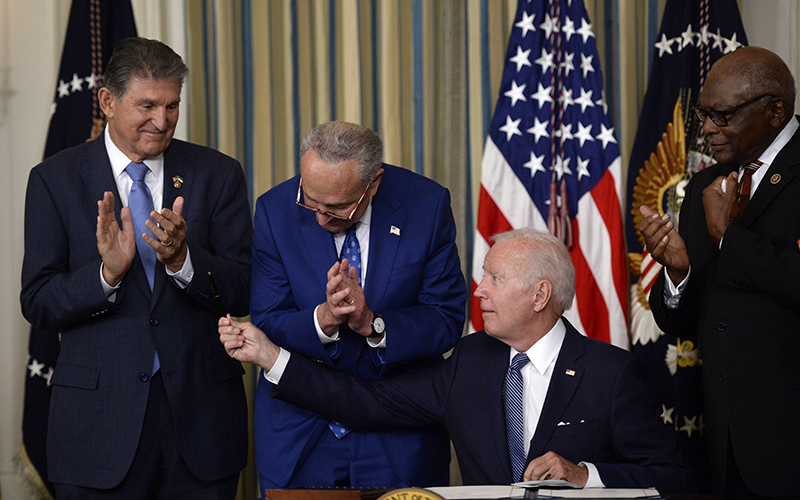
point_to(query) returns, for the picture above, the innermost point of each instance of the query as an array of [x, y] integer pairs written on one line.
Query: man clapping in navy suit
[[145, 402]]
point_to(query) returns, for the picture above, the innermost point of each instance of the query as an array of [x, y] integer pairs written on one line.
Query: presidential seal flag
[[668, 149], [95, 26], [552, 162]]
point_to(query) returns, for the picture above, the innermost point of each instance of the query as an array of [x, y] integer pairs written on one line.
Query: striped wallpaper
[[424, 74]]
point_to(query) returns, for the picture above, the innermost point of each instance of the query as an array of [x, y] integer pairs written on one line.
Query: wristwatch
[[378, 326]]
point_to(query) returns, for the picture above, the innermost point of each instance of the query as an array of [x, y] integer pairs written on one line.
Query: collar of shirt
[[769, 154], [542, 354], [362, 233], [154, 177]]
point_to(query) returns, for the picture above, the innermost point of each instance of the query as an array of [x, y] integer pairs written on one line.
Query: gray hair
[[142, 58], [548, 259], [335, 142]]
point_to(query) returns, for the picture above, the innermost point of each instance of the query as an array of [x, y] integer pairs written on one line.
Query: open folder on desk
[[503, 492]]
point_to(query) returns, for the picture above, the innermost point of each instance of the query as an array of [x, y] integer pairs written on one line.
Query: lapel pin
[[394, 230], [177, 181], [775, 178], [571, 373]]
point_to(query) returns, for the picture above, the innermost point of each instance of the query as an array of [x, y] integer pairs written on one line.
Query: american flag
[[552, 161]]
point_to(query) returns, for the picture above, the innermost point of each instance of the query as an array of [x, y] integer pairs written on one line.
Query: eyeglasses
[[720, 118], [328, 214]]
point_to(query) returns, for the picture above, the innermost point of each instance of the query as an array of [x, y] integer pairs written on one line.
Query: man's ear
[[376, 182], [106, 100], [542, 291], [777, 113]]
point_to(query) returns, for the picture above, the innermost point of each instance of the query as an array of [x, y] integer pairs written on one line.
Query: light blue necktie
[[352, 252], [140, 201], [515, 423]]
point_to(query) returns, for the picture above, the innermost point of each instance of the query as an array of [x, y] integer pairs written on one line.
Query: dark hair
[[142, 58]]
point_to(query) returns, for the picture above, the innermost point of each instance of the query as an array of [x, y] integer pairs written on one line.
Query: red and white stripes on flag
[[527, 166]]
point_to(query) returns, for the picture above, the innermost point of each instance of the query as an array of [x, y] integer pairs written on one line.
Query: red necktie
[[744, 187]]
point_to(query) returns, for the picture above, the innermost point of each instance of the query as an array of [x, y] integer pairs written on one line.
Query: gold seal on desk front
[[410, 494]]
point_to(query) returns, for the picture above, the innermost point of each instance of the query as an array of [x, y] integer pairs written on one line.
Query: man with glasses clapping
[[730, 277], [355, 266]]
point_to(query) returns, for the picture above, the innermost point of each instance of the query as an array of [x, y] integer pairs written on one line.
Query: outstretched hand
[[247, 343]]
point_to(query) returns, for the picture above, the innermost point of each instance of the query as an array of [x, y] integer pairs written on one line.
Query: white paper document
[[497, 492]]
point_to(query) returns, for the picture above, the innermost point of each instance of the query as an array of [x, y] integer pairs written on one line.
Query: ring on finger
[[168, 243], [351, 300]]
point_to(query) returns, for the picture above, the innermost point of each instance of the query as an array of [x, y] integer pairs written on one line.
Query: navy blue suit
[[598, 409], [413, 280], [102, 379]]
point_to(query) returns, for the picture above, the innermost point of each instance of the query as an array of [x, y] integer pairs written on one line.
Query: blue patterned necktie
[[352, 251], [515, 423], [140, 201]]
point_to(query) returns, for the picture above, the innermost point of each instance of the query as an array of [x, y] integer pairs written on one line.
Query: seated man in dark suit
[[529, 398]]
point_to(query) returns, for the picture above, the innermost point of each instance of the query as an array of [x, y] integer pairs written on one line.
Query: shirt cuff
[[325, 339], [672, 293], [378, 345], [594, 480], [110, 291], [184, 276], [274, 376]]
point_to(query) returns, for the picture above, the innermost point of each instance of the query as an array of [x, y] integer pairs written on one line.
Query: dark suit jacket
[[598, 409], [743, 303], [413, 279], [101, 381]]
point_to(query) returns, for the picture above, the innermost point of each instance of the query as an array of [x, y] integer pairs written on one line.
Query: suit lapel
[[497, 361], [567, 374], [780, 173], [385, 229]]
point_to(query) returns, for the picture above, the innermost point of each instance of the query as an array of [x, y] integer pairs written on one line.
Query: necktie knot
[[136, 171], [745, 184], [519, 361]]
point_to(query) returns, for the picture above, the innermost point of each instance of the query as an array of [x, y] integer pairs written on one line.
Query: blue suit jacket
[[101, 381], [598, 409], [414, 281]]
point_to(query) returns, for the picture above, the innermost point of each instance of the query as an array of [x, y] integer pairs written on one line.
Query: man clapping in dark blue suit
[[528, 398], [145, 402]]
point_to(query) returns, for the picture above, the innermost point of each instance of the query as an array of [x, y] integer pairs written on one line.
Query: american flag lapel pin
[[571, 373], [394, 230], [177, 181]]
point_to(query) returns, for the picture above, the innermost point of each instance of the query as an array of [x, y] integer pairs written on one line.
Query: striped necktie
[[515, 423], [744, 187]]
